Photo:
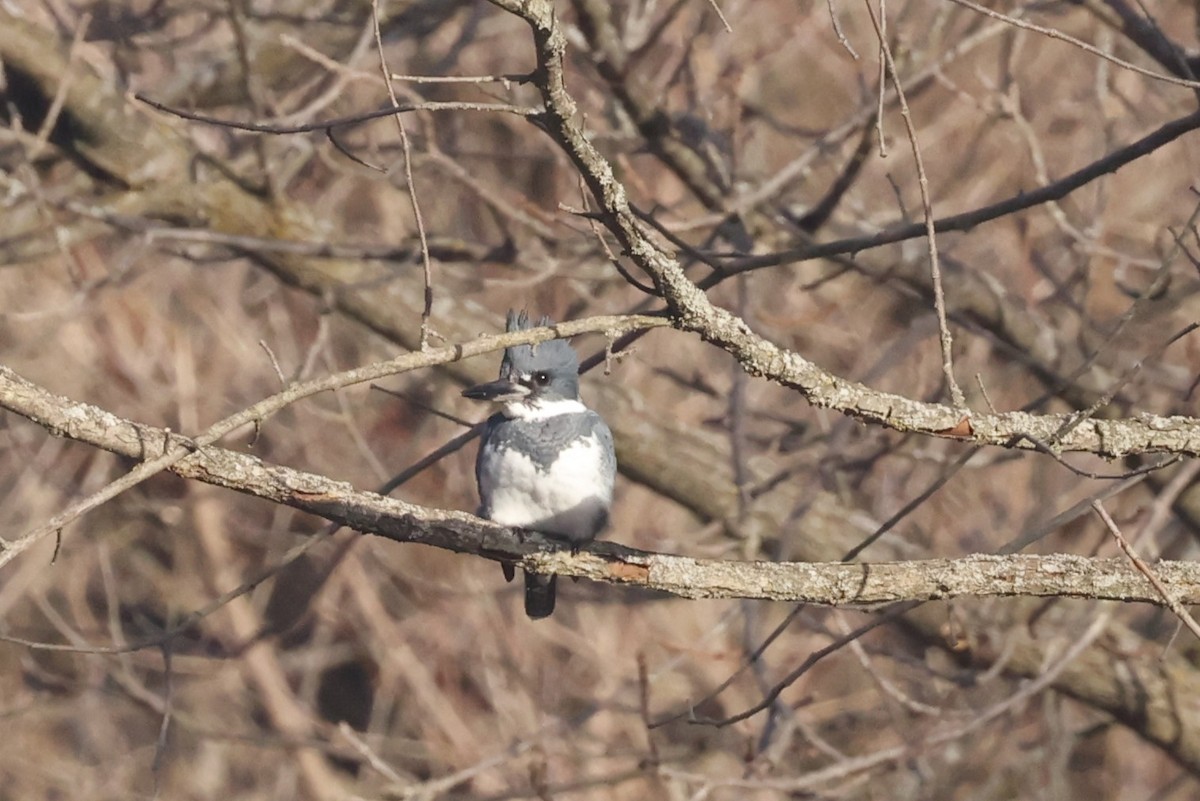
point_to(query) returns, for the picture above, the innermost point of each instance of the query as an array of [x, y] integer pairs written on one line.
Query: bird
[[546, 462]]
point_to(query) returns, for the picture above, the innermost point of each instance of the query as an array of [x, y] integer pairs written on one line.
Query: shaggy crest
[[555, 354]]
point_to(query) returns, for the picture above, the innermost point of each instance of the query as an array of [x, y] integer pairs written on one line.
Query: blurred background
[[163, 270]]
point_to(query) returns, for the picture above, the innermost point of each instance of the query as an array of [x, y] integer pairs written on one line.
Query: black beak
[[502, 391]]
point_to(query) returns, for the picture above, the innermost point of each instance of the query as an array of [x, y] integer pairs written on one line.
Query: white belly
[[570, 499]]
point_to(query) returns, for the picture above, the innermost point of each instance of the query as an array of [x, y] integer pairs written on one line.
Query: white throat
[[542, 409]]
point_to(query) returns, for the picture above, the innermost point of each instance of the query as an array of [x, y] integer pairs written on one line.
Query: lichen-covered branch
[[694, 312], [833, 584]]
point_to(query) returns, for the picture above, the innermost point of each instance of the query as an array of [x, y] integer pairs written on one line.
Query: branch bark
[[160, 453], [694, 312], [830, 584]]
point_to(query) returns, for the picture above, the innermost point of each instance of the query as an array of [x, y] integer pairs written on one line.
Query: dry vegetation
[[170, 272]]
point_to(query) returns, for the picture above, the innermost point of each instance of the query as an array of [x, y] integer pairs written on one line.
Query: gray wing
[[589, 423], [485, 490], [608, 462], [608, 451]]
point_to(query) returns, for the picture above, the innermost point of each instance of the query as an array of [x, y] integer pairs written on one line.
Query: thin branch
[[505, 79], [939, 296], [953, 734], [837, 30], [834, 584], [721, 16], [172, 448], [252, 85], [1063, 37], [60, 94], [1164, 593], [262, 343], [406, 149], [337, 122], [888, 616], [968, 220]]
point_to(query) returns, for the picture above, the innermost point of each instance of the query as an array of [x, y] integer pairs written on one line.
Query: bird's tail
[[539, 594]]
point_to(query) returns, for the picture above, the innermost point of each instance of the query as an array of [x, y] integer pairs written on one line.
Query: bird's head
[[532, 377]]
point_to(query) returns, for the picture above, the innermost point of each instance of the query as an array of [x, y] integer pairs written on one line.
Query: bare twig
[[60, 95], [939, 297], [426, 265], [505, 79], [837, 30], [840, 770], [1063, 37], [174, 448], [252, 84], [262, 343], [1164, 593], [721, 16], [337, 122], [968, 220]]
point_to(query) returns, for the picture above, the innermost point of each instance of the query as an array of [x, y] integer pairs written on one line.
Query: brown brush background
[[128, 294]]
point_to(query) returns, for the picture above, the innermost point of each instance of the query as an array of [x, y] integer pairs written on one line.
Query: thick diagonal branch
[[693, 311]]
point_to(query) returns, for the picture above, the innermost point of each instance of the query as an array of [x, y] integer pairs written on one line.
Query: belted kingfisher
[[546, 461]]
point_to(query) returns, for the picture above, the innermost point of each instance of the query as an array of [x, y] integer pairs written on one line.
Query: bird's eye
[[541, 379]]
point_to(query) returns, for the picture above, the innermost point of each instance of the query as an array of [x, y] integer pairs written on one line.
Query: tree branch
[[967, 220], [163, 452], [693, 311], [832, 584]]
